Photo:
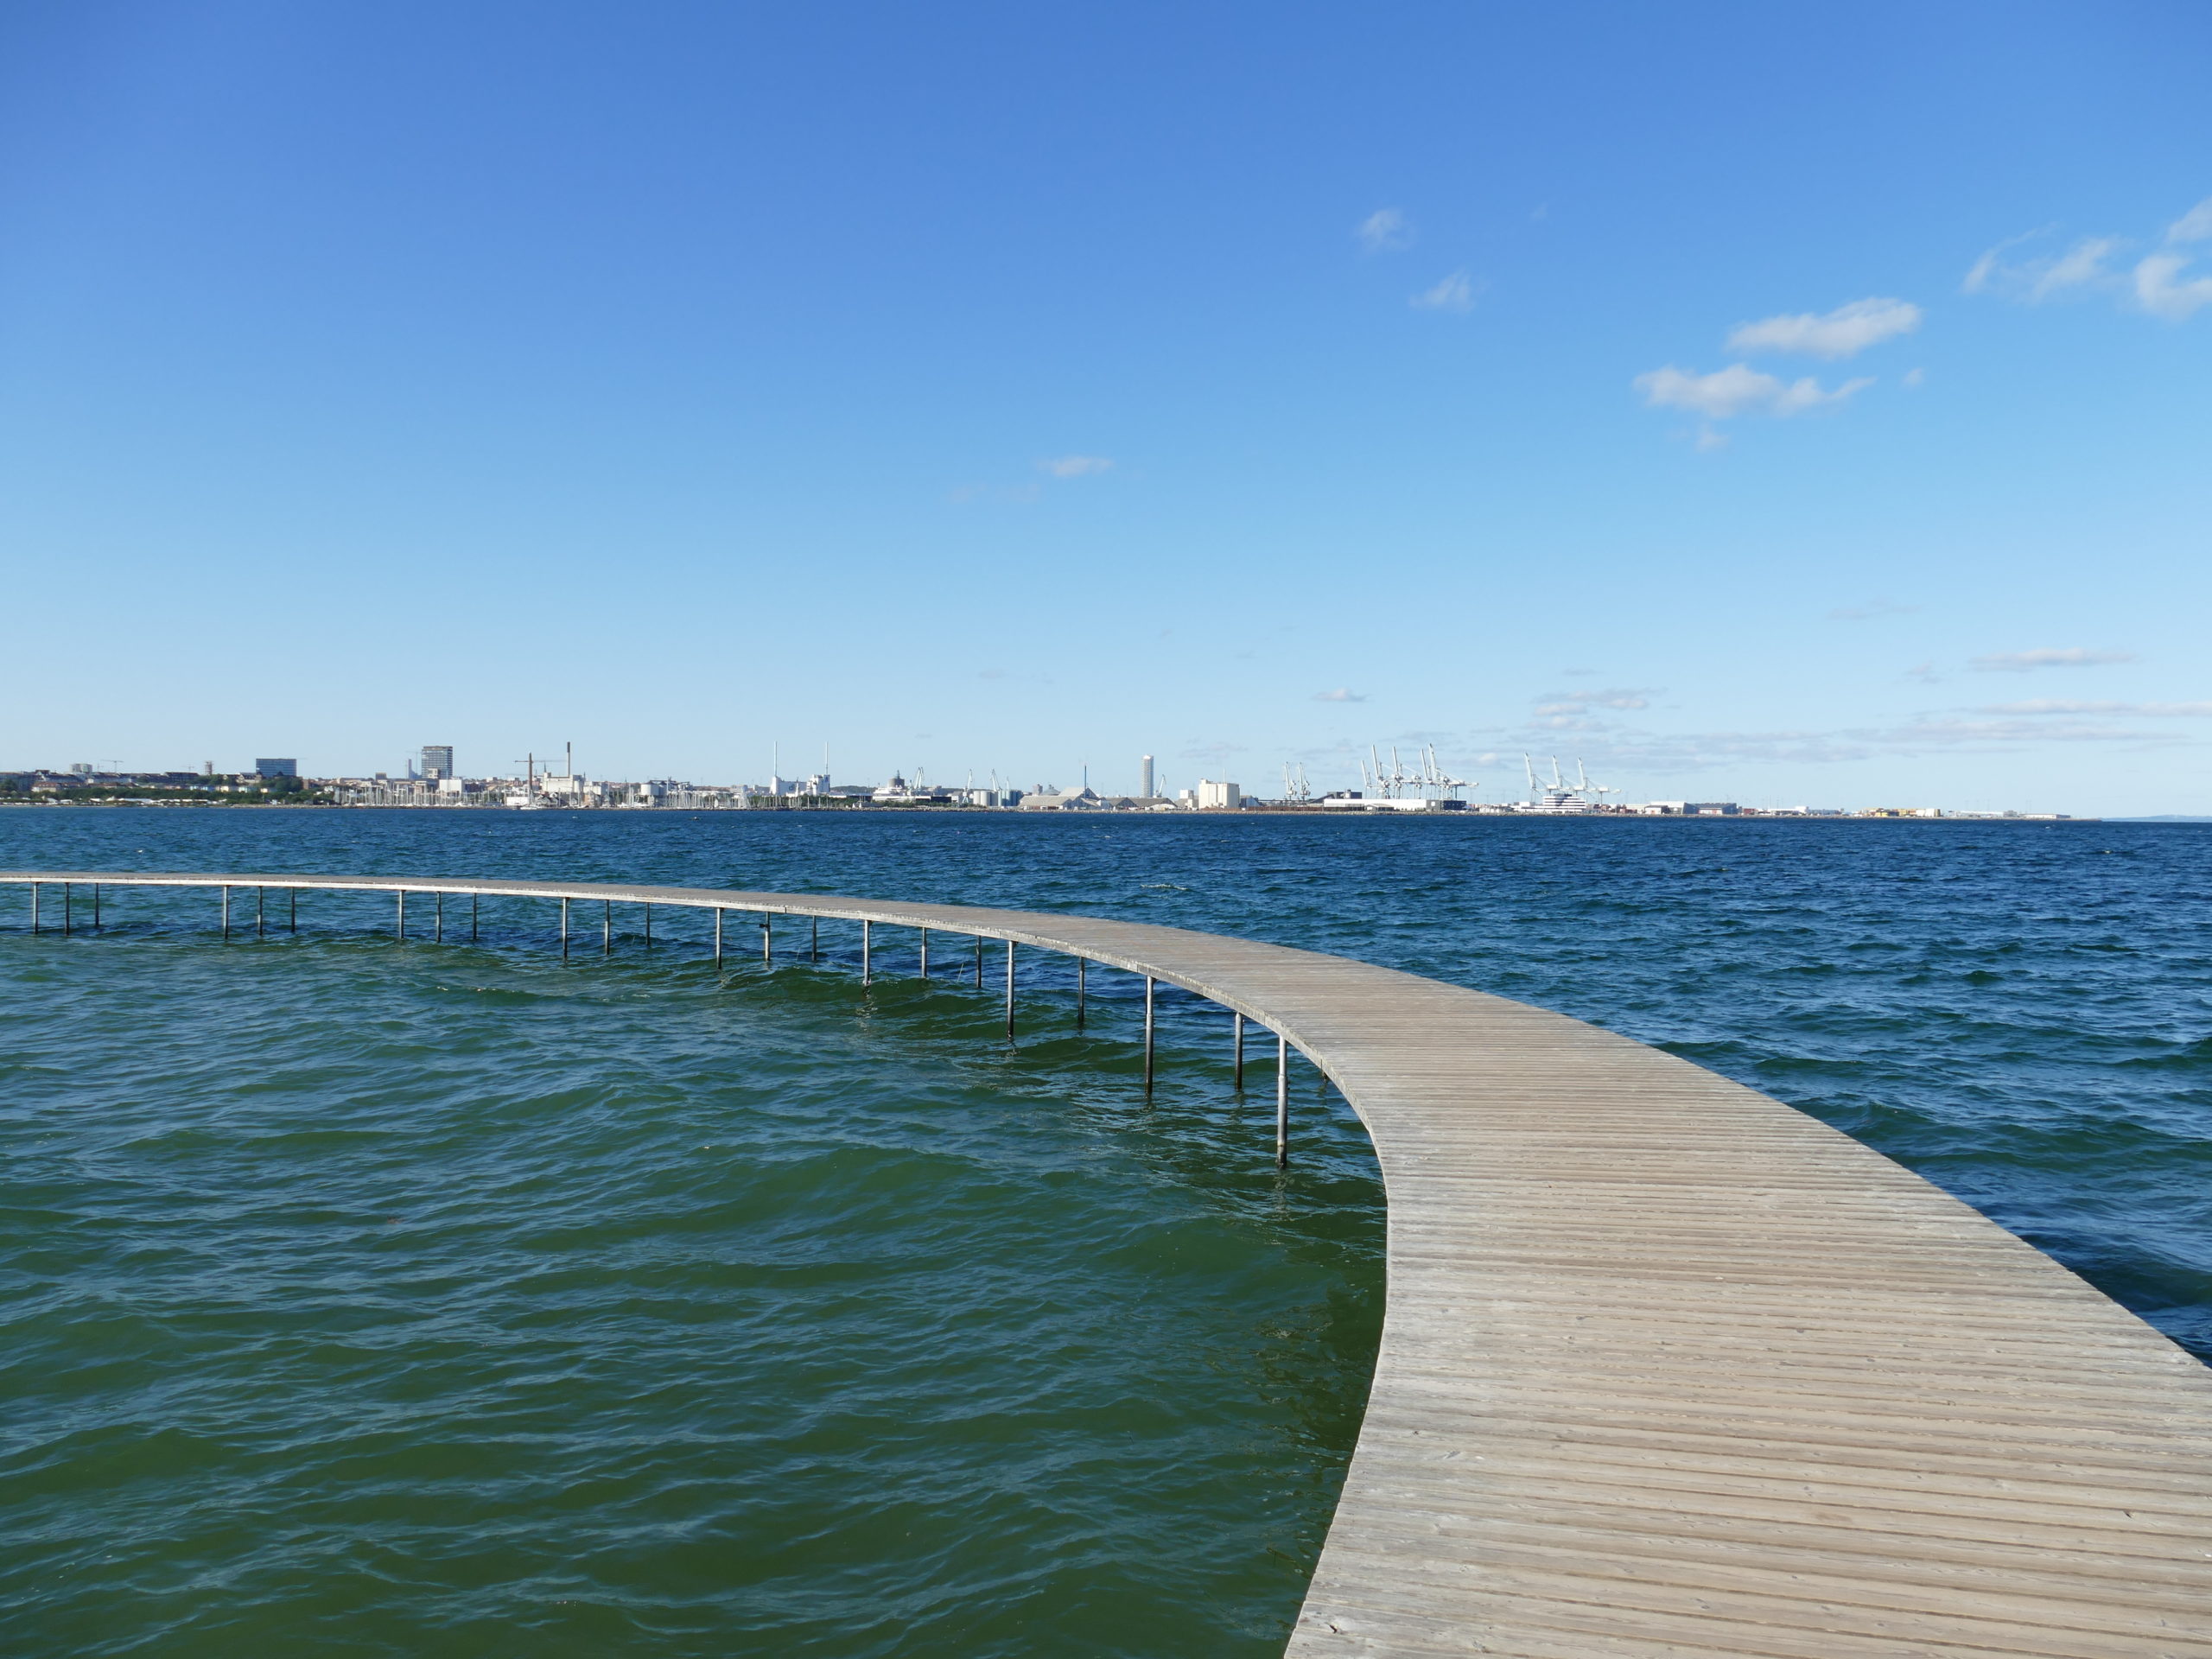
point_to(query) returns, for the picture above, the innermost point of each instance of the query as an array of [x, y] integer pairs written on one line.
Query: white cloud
[[1340, 695], [2021, 662], [1455, 293], [1076, 465], [2031, 282], [1915, 376], [2057, 706], [2195, 225], [2165, 284], [1843, 331], [2078, 267], [1385, 231], [1739, 390], [2157, 291]]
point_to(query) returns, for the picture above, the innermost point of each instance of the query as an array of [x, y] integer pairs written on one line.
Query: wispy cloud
[[2042, 706], [1580, 703], [1455, 293], [2023, 662], [1872, 609], [1340, 695], [2195, 225], [1740, 390], [1386, 230], [1075, 465], [2163, 283], [1843, 331]]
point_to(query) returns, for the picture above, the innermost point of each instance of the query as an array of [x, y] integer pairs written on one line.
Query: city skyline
[[1748, 408]]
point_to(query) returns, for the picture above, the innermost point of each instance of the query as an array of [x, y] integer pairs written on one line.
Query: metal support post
[[438, 921], [767, 939], [68, 900], [1282, 1102], [607, 927], [260, 913], [227, 912], [867, 947], [649, 927], [814, 946], [718, 932], [96, 904], [979, 962], [1081, 963], [925, 953], [35, 887], [292, 912], [1236, 1062], [403, 913], [472, 899], [564, 929], [1147, 1034], [1009, 990]]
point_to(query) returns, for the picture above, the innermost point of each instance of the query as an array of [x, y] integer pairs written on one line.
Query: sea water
[[377, 1296]]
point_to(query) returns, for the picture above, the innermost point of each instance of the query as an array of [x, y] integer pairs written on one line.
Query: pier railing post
[[1147, 1032], [227, 912], [925, 953], [1236, 1054], [403, 913], [472, 899], [1282, 1100], [564, 929], [718, 933], [34, 888], [260, 913], [868, 949], [1081, 962], [438, 919], [767, 938], [979, 962], [649, 927], [292, 913], [96, 904], [1009, 990], [607, 927], [68, 917]]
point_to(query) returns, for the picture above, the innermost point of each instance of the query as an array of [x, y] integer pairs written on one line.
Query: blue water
[[381, 1297]]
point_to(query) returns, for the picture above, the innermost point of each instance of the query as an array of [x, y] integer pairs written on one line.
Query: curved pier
[[1668, 1368]]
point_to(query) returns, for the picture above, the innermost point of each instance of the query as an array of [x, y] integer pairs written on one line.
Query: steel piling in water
[[606, 928], [1081, 962], [96, 904], [866, 949], [227, 912], [1282, 1102], [718, 934], [1236, 1054], [1009, 990], [564, 929], [403, 913], [925, 953], [69, 921], [767, 939], [260, 913], [438, 919], [1147, 1032], [35, 889]]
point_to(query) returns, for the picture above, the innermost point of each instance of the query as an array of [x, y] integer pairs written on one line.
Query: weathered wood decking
[[1669, 1368]]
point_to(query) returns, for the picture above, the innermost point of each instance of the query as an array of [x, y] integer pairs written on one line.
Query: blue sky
[[1779, 403]]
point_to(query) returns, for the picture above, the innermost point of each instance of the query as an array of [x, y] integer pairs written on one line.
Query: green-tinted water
[[382, 1298]]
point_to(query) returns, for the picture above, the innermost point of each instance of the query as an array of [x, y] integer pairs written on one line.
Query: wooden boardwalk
[[1669, 1369]]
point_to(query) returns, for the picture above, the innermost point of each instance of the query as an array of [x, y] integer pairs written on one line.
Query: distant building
[[437, 761], [1144, 775], [1217, 796], [279, 768], [1061, 800]]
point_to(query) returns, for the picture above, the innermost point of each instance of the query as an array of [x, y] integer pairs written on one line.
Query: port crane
[[1555, 794], [1398, 784]]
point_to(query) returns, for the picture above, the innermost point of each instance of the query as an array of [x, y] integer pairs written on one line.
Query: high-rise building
[[1144, 788], [284, 768], [437, 759]]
